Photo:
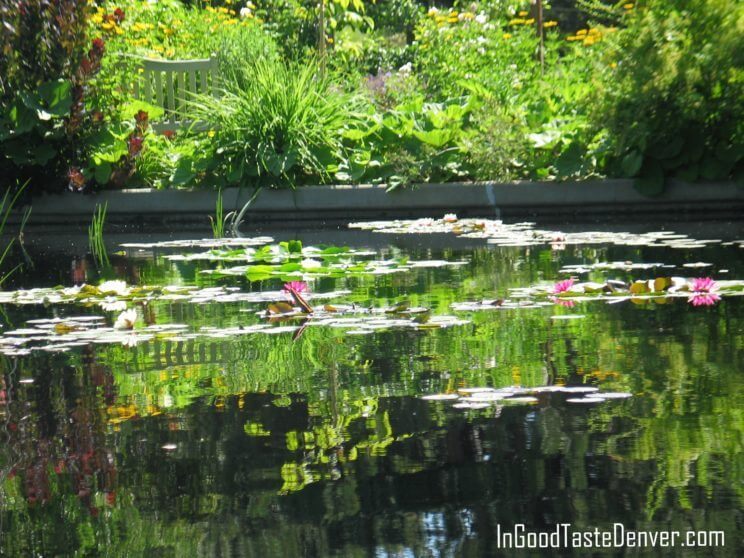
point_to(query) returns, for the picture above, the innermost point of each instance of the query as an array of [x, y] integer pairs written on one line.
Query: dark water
[[258, 445]]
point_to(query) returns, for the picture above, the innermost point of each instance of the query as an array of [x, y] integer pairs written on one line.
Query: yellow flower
[[529, 21], [581, 32], [613, 65], [573, 38], [210, 133], [506, 36], [108, 26], [97, 19], [516, 22], [522, 14], [550, 24], [628, 6]]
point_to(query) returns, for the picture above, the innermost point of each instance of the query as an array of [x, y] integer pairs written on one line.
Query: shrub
[[45, 104], [673, 99]]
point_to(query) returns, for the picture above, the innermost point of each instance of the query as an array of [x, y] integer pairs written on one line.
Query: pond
[[456, 379]]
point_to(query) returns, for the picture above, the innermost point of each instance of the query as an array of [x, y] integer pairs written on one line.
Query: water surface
[[264, 445]]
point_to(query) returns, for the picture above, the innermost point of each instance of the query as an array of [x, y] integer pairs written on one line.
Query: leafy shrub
[[412, 142], [46, 111], [674, 103]]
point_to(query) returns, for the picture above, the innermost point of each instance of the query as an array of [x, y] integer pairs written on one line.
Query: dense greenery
[[399, 93]]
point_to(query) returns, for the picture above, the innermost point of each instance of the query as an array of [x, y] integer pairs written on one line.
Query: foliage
[[46, 104], [220, 220], [649, 91], [673, 104], [412, 142], [276, 123]]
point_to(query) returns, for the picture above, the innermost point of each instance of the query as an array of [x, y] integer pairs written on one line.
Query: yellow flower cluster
[[522, 21], [587, 37], [106, 22], [549, 24], [450, 17]]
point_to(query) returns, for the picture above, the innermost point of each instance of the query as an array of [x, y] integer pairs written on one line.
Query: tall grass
[[277, 122], [6, 206], [95, 235]]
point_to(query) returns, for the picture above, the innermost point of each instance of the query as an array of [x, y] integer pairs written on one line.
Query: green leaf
[[102, 173], [650, 181], [57, 97], [690, 173], [435, 138], [631, 163], [294, 247], [668, 149], [712, 168], [184, 173], [43, 153], [569, 162], [545, 140]]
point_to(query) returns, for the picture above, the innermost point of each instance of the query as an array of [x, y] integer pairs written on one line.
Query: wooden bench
[[170, 84]]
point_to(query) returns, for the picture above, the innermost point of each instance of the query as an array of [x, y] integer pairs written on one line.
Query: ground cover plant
[[395, 93]]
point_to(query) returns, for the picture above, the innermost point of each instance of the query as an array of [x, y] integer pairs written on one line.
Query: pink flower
[[563, 286], [295, 286], [293, 289], [703, 285], [703, 299], [567, 303]]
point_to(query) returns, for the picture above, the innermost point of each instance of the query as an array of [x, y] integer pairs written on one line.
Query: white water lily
[[126, 319], [114, 287], [449, 218], [111, 304], [130, 341]]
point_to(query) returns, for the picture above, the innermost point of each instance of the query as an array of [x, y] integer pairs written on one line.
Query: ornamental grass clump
[[276, 123]]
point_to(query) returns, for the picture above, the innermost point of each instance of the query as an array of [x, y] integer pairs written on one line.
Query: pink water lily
[[703, 299], [703, 285], [295, 287], [563, 286]]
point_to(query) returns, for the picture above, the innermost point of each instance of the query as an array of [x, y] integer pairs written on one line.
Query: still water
[[222, 437]]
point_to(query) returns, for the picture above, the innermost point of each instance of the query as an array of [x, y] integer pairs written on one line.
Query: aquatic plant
[[6, 206], [294, 288], [96, 243], [703, 285], [563, 286], [220, 221]]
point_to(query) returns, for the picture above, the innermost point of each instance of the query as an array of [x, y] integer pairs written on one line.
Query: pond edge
[[345, 202]]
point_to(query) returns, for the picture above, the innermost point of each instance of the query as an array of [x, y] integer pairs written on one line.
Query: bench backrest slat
[[170, 84]]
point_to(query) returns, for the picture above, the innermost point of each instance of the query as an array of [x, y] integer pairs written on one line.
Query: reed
[[95, 236]]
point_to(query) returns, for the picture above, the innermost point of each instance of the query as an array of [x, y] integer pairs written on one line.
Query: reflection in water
[[258, 445]]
